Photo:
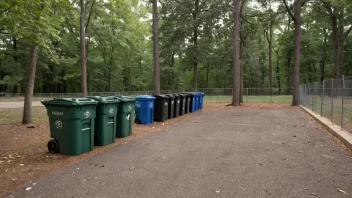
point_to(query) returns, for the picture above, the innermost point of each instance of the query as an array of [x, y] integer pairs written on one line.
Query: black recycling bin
[[177, 105], [182, 104], [188, 102], [161, 108], [171, 101]]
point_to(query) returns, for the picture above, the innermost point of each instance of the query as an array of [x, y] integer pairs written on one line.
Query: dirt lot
[[24, 156], [256, 150]]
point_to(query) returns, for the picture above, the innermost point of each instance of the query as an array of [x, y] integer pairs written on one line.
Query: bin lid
[[176, 95], [104, 100], [70, 102], [145, 97], [170, 95], [161, 96], [125, 98]]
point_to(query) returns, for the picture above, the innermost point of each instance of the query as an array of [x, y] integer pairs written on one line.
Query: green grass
[[281, 98], [14, 115]]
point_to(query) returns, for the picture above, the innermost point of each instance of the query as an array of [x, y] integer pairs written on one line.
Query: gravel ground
[[233, 152]]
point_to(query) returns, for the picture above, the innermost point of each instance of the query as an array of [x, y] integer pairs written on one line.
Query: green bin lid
[[105, 100], [125, 98], [70, 102]]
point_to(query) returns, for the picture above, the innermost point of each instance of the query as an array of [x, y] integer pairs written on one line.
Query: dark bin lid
[[104, 100], [145, 97], [176, 95], [161, 96], [125, 98], [70, 102], [170, 95]]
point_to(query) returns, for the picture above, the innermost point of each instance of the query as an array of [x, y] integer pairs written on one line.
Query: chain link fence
[[331, 99], [211, 94]]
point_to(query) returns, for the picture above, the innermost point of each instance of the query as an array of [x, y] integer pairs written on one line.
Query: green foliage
[[119, 47]]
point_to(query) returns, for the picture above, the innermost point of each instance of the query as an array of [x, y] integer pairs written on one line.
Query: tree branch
[[7, 9], [89, 15], [345, 35], [288, 10]]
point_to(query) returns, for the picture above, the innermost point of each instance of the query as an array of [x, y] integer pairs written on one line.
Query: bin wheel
[[137, 121], [53, 146]]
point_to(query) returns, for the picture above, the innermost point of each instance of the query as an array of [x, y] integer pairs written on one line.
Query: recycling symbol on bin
[[86, 114], [128, 117], [150, 104], [111, 111], [58, 124], [129, 107]]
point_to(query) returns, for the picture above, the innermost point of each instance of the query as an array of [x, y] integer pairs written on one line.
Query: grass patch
[[14, 115], [284, 98]]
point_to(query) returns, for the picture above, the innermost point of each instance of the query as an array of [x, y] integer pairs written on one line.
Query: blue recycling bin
[[196, 100], [193, 102], [201, 99], [144, 109]]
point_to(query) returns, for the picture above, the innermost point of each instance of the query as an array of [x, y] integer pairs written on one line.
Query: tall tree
[[296, 17], [156, 48], [84, 90], [236, 54], [336, 12]]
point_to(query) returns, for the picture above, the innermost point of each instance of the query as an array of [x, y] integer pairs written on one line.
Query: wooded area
[[46, 39]]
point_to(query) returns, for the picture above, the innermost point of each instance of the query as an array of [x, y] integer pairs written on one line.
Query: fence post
[[271, 94], [322, 100], [315, 96], [305, 96], [332, 99], [343, 94], [247, 96]]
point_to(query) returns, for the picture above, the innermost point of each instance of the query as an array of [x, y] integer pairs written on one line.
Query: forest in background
[[195, 42]]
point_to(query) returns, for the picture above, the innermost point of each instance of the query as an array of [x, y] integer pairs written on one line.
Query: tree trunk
[[297, 53], [156, 49], [27, 110], [83, 52], [270, 41], [278, 70], [195, 45], [236, 54], [207, 79]]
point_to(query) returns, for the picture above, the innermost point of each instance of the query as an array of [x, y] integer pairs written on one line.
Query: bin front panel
[[177, 107], [171, 106], [124, 125]]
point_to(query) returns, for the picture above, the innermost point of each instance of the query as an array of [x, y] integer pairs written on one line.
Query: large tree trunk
[[84, 90], [27, 110], [278, 71], [297, 53], [270, 41], [195, 45], [156, 49], [236, 54]]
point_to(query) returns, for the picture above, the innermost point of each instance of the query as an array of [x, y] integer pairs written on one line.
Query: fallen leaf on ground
[[218, 191], [341, 191], [28, 188], [313, 194], [328, 156], [132, 168]]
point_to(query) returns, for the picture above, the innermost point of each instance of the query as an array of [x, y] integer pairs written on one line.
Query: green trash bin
[[125, 116], [105, 122], [71, 125]]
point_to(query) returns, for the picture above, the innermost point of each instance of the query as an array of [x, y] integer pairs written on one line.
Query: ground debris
[[342, 191], [328, 156]]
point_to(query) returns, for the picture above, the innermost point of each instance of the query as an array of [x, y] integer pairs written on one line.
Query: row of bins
[[79, 124], [160, 108]]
